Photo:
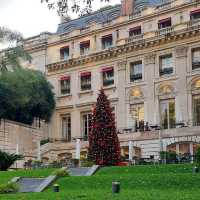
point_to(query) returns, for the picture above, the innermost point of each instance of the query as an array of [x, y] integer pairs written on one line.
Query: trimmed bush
[[7, 159], [8, 188], [61, 173]]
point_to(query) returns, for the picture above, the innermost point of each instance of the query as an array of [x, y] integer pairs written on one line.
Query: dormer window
[[65, 85], [164, 23], [107, 41], [195, 14], [135, 31], [85, 81], [84, 47], [64, 53]]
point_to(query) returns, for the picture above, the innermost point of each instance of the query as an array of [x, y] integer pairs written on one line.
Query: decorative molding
[[181, 51], [122, 65], [149, 59]]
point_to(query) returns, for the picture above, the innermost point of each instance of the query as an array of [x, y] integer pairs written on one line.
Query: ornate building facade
[[146, 56]]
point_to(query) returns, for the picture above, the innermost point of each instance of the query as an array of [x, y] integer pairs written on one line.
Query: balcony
[[192, 23], [165, 31], [86, 87], [108, 82], [196, 65], [65, 91], [166, 71], [135, 77], [134, 38]]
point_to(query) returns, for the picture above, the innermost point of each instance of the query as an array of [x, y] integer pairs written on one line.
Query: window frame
[[108, 81], [103, 41], [135, 77], [88, 114], [88, 86], [67, 136], [163, 70], [68, 89], [62, 54]]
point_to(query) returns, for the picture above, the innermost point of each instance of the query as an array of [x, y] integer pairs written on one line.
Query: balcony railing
[[196, 65], [135, 77], [65, 91], [195, 22], [165, 31], [86, 87], [134, 38], [108, 82], [163, 6], [166, 71]]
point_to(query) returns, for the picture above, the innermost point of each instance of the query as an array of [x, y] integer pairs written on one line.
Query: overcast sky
[[30, 17]]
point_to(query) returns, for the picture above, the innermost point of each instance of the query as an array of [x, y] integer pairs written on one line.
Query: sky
[[30, 17]]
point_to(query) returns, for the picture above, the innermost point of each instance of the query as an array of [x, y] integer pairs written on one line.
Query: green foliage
[[86, 163], [168, 155], [61, 172], [43, 142], [25, 94], [8, 188], [7, 159]]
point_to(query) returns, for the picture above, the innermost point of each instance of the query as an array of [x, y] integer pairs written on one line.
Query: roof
[[103, 15]]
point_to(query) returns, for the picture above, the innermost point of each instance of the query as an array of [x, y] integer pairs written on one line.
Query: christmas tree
[[104, 148]]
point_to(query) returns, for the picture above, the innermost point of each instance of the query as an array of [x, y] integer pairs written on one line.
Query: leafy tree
[[104, 148], [7, 159], [25, 94], [9, 58], [64, 6]]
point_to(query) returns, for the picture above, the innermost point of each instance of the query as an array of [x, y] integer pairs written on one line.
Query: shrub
[[86, 163], [197, 156], [9, 188], [61, 172], [7, 159]]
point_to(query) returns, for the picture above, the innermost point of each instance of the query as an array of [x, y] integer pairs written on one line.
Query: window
[[164, 23], [195, 14], [196, 110], [84, 47], [136, 71], [86, 81], [166, 65], [196, 58], [135, 31], [86, 125], [66, 128], [64, 53], [167, 111], [137, 112], [107, 41], [108, 76], [65, 85]]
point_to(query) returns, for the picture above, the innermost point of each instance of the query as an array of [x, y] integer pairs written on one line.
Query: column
[[121, 107], [149, 66], [191, 152], [181, 84], [78, 149], [130, 150], [177, 149], [38, 151]]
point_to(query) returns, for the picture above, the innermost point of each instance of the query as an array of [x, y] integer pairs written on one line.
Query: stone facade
[[147, 64]]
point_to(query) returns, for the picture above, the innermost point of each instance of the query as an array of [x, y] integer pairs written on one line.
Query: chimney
[[127, 7]]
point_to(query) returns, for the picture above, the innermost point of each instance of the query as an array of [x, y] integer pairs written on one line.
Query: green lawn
[[173, 182]]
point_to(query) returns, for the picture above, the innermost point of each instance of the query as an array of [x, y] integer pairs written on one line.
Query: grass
[[174, 182]]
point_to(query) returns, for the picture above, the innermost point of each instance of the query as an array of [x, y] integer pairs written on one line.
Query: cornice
[[125, 48], [124, 23]]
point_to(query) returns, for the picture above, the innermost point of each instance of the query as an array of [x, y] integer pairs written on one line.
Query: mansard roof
[[101, 16]]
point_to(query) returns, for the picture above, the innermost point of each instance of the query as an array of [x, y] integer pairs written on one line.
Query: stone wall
[[17, 137]]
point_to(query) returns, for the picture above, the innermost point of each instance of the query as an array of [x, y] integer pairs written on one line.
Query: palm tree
[[9, 58]]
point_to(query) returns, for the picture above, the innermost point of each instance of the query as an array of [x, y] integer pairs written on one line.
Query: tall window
[[137, 112], [108, 76], [196, 110], [86, 125], [166, 64], [64, 53], [164, 23], [135, 31], [66, 127], [194, 15], [196, 58], [84, 47], [65, 85], [136, 71], [107, 41], [86, 81], [167, 111]]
